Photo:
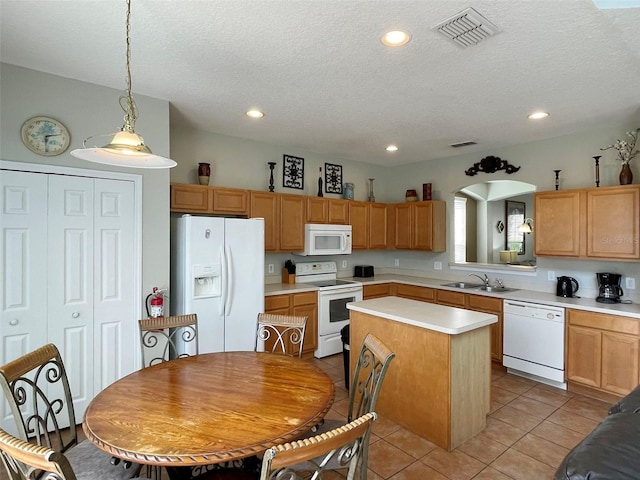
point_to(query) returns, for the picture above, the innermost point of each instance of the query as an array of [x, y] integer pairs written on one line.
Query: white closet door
[[23, 263], [70, 286], [115, 319]]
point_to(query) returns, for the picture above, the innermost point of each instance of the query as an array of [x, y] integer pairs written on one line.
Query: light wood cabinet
[[191, 198], [376, 290], [557, 221], [415, 292], [283, 220], [613, 222], [420, 226], [451, 299], [292, 220], [203, 199], [230, 200], [603, 351], [327, 210], [480, 303], [601, 223], [369, 225], [265, 205], [301, 304]]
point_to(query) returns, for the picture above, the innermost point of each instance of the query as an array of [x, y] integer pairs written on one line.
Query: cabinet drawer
[[305, 298], [377, 290], [454, 299], [481, 302], [276, 302], [603, 321], [413, 291]]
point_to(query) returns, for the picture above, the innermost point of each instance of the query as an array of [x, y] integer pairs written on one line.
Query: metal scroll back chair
[[372, 365], [167, 338], [37, 390], [26, 461], [338, 448], [281, 333]]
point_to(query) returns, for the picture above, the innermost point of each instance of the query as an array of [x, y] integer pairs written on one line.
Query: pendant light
[[126, 148]]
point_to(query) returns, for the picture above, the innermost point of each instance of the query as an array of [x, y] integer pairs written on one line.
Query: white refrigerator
[[217, 272]]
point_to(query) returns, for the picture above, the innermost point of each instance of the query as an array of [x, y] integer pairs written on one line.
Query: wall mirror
[[479, 212], [515, 213]]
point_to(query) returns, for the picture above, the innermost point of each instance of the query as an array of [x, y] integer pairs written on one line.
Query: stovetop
[[330, 283]]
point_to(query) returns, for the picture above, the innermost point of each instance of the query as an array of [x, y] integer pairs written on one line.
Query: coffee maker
[[609, 290]]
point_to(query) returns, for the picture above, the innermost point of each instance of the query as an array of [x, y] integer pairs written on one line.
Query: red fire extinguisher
[[155, 303]]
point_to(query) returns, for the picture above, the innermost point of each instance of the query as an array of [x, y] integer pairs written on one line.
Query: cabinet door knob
[[75, 314], [14, 322]]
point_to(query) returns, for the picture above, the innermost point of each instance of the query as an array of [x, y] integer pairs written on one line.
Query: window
[[460, 237]]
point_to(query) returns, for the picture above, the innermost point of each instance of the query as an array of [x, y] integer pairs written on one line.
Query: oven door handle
[[340, 291]]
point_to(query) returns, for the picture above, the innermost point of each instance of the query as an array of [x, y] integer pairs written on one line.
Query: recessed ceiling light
[[396, 38], [538, 115], [255, 114], [392, 148]]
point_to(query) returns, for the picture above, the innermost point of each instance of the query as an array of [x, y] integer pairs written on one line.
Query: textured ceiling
[[327, 84]]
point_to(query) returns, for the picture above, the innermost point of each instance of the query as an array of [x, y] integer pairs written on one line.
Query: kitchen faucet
[[485, 280]]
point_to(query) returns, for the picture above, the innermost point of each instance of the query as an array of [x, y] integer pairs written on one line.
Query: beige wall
[[88, 109]]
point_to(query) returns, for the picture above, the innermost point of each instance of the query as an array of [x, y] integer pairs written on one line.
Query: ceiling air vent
[[463, 144], [467, 28]]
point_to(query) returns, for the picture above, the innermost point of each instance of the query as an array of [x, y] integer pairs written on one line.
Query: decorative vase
[[348, 191], [626, 175], [204, 173], [411, 195]]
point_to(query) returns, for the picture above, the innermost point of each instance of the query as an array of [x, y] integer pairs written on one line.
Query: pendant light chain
[[126, 101]]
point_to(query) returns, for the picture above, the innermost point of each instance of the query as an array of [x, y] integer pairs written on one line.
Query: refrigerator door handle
[[228, 299], [223, 293]]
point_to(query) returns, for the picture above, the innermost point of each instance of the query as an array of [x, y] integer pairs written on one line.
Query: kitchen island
[[438, 385]]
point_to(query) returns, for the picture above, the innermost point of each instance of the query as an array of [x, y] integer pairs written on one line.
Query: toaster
[[363, 271]]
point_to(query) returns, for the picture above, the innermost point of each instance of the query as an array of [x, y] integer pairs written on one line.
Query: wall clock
[[45, 136]]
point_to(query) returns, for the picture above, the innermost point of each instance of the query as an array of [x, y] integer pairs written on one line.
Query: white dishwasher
[[533, 341]]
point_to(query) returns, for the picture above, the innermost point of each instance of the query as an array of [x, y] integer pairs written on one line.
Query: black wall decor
[[491, 164], [332, 178], [293, 172]]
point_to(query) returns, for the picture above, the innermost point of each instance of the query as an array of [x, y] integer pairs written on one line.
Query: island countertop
[[439, 318]]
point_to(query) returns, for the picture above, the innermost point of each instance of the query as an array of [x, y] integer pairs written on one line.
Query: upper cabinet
[[598, 223], [284, 219], [202, 199], [327, 210], [420, 226], [369, 225]]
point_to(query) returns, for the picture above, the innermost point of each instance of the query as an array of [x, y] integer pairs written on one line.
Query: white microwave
[[324, 239]]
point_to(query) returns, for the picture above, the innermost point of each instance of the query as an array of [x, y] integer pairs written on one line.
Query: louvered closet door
[[23, 263], [70, 283]]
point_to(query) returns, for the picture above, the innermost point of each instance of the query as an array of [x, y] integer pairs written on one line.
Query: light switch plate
[[630, 283], [396, 262], [344, 264], [551, 276], [270, 268], [437, 265]]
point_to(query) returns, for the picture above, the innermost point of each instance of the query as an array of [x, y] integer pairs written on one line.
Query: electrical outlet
[[396, 262], [270, 268], [437, 265], [344, 264], [551, 275], [630, 283]]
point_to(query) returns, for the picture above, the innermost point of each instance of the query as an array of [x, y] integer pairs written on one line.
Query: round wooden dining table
[[209, 408]]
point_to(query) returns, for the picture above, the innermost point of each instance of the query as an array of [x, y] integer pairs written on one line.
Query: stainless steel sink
[[484, 288], [463, 285]]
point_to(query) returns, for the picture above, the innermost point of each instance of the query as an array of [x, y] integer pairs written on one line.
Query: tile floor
[[530, 428]]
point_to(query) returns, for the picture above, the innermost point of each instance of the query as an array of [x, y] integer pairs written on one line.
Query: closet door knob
[[75, 314], [14, 322]]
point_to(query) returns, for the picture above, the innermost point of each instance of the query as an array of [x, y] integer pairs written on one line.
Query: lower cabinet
[[377, 290], [302, 304], [602, 351]]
